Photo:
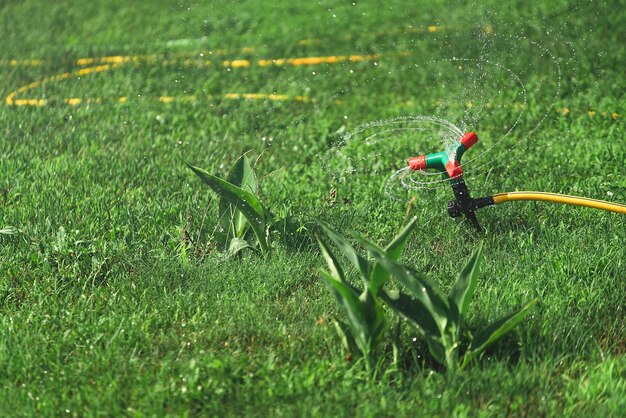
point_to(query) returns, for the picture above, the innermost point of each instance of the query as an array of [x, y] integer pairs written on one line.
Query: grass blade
[[241, 199]]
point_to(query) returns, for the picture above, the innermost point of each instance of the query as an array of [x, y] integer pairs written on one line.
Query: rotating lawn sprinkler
[[449, 164]]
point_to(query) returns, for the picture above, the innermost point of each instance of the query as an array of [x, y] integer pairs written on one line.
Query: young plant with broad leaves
[[240, 209], [366, 321], [441, 318]]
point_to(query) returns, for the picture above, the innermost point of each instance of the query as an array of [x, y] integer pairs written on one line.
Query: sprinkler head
[[449, 161], [449, 164]]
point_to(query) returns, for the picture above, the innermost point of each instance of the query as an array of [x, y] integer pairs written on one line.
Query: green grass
[[102, 312]]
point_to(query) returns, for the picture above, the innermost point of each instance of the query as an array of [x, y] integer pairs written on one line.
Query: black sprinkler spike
[[464, 205]]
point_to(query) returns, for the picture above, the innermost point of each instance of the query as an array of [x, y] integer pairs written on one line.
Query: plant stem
[[452, 360]]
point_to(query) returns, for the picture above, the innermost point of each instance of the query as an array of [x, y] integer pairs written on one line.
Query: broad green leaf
[[436, 349], [333, 265], [463, 290], [412, 310], [352, 300], [347, 339], [396, 246], [393, 250], [236, 245], [379, 328], [242, 200], [361, 264], [424, 291], [495, 331], [378, 274], [240, 175], [379, 277], [364, 318], [376, 318]]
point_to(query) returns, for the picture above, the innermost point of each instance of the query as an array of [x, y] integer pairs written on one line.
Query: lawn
[[117, 300]]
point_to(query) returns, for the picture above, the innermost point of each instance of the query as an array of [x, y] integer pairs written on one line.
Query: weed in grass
[[363, 307], [441, 318], [240, 209], [231, 218]]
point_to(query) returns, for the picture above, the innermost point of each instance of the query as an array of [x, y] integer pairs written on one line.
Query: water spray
[[449, 164]]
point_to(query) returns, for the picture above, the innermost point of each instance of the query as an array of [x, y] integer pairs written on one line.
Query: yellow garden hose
[[560, 198]]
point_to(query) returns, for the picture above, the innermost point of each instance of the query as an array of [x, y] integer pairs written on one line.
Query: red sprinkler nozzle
[[418, 163], [454, 170], [469, 139]]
